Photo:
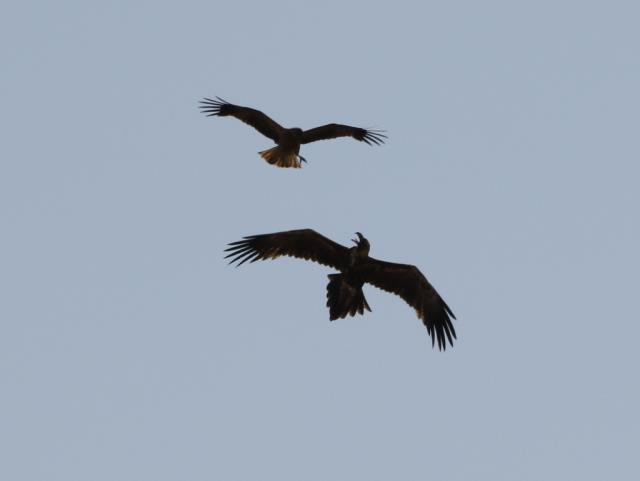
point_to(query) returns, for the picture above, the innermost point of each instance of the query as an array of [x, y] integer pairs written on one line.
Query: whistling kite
[[344, 291], [286, 153]]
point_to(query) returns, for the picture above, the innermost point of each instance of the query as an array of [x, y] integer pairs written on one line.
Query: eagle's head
[[362, 244]]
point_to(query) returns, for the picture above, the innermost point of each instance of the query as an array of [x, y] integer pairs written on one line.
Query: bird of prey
[[344, 291], [286, 153]]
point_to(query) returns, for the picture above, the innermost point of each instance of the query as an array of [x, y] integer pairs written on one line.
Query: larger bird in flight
[[286, 153], [344, 291]]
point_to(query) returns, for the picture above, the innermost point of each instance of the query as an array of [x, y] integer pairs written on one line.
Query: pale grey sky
[[129, 350]]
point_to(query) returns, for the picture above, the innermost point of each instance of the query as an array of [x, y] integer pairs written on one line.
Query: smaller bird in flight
[[286, 153], [344, 291]]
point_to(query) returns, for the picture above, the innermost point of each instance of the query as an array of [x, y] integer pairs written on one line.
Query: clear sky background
[[130, 350]]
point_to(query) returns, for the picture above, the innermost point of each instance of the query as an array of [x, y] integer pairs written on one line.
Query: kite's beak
[[360, 237]]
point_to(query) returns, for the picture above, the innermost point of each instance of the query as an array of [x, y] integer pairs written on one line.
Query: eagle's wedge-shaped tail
[[344, 299], [281, 158]]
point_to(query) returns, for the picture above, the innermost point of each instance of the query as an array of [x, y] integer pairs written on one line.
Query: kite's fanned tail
[[281, 158]]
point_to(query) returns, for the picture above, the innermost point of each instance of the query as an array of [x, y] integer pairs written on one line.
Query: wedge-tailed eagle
[[344, 291]]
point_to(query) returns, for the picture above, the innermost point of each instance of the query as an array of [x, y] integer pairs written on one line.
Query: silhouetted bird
[[286, 153], [344, 291]]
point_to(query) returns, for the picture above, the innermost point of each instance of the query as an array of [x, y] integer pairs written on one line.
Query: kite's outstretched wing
[[256, 119], [332, 131]]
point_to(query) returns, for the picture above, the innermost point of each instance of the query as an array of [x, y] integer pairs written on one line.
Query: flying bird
[[344, 291], [286, 153]]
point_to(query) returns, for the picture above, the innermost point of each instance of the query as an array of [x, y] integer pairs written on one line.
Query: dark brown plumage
[[286, 153], [344, 291]]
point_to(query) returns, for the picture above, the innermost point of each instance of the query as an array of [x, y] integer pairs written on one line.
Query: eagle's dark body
[[344, 291]]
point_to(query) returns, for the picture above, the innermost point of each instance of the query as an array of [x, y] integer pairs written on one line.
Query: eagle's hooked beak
[[360, 237]]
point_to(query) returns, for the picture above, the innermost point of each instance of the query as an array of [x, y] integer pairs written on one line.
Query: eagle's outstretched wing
[[256, 119], [304, 244], [332, 131], [410, 284]]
